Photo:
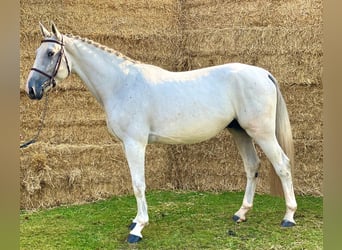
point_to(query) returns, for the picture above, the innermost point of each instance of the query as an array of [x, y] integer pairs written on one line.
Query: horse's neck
[[103, 72]]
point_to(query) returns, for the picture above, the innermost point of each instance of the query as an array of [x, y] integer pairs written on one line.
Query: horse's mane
[[103, 47]]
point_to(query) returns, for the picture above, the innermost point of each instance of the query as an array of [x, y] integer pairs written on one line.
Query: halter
[[58, 64]]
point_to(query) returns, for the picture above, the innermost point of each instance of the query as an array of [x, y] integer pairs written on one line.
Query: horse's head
[[50, 66]]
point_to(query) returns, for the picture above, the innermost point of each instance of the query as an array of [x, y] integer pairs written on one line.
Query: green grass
[[178, 220]]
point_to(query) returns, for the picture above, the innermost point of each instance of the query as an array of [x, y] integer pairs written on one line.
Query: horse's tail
[[283, 133]]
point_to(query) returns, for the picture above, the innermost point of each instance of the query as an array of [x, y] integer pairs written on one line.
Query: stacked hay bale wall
[[76, 159]]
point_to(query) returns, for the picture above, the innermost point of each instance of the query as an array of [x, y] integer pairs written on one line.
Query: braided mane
[[103, 47]]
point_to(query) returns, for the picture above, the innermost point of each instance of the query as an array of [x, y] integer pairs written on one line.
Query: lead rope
[[41, 124]]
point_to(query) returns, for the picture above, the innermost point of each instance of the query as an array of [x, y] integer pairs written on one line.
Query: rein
[[41, 124], [58, 64]]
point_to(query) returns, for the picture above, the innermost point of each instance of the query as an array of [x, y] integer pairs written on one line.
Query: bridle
[[58, 64]]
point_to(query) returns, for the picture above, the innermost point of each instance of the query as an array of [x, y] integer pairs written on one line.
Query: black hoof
[[237, 219], [133, 238], [287, 223], [132, 226]]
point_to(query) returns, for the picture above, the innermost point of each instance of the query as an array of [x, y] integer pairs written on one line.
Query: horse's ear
[[44, 31], [56, 32]]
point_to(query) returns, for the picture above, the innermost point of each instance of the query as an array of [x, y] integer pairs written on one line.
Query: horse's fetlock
[[246, 206], [292, 208]]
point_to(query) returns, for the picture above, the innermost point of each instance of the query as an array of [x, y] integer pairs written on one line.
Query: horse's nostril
[[31, 93]]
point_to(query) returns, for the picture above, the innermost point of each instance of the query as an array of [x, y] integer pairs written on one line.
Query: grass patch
[[178, 220]]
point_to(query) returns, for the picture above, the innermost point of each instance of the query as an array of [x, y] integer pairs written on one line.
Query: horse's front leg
[[135, 154]]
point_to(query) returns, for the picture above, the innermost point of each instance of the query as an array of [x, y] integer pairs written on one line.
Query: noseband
[[58, 64]]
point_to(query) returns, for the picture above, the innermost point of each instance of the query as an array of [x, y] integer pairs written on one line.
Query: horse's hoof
[[287, 223], [132, 226], [237, 219], [133, 238]]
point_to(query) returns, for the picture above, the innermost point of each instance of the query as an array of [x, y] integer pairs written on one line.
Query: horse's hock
[[76, 160]]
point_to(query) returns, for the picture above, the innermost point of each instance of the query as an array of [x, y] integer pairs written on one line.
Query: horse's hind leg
[[251, 164], [263, 132], [281, 164]]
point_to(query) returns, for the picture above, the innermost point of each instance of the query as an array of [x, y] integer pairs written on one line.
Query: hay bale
[[305, 111], [292, 55], [85, 17], [68, 174], [285, 38], [255, 40], [72, 117], [308, 171], [218, 14], [212, 165], [216, 166]]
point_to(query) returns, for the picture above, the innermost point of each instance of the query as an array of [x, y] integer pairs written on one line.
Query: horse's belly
[[177, 139], [187, 134]]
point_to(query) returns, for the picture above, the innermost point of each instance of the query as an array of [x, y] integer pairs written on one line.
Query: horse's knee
[[252, 168], [252, 175]]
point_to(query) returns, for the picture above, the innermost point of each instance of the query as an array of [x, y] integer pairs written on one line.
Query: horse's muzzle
[[35, 95], [35, 91]]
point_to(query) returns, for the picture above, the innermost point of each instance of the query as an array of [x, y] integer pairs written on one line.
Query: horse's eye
[[50, 53]]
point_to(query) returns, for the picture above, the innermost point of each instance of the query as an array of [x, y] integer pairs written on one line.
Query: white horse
[[147, 104]]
